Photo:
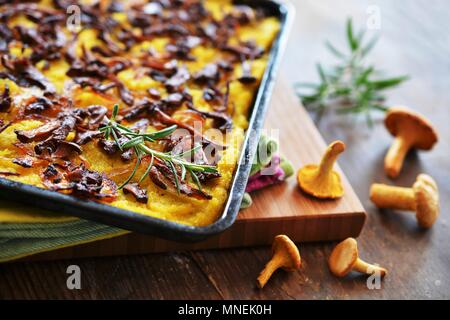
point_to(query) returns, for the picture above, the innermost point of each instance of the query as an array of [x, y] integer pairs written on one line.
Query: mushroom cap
[[329, 187], [419, 129], [427, 200], [343, 257], [286, 249]]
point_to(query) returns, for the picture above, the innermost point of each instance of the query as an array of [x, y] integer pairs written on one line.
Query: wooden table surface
[[415, 41]]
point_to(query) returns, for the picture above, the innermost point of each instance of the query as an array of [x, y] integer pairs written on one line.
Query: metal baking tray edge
[[102, 213]]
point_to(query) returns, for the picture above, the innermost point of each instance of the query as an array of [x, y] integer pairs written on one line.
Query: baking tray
[[133, 221]]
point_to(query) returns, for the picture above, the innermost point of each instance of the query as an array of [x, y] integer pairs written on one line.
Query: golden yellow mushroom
[[411, 130], [285, 256], [422, 198], [345, 258], [321, 181]]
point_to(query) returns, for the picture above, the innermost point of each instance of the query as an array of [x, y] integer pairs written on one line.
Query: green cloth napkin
[[18, 240]]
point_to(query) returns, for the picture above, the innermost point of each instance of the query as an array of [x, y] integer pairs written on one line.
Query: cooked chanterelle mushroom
[[422, 197], [285, 256], [411, 130], [321, 181], [344, 259]]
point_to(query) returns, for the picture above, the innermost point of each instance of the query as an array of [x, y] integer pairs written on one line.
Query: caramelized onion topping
[[5, 100], [186, 24], [79, 181], [139, 193]]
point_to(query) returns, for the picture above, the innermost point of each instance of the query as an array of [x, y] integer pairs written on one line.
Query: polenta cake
[[141, 105]]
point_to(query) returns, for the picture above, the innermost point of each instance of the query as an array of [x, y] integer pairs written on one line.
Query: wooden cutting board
[[281, 209]]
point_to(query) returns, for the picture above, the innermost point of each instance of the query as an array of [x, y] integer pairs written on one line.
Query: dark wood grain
[[415, 41]]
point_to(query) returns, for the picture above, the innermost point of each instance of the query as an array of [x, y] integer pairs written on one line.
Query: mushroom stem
[[329, 158], [268, 270], [384, 196], [393, 161], [364, 267]]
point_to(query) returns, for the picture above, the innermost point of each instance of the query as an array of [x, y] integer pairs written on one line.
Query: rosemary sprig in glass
[[136, 140], [349, 86]]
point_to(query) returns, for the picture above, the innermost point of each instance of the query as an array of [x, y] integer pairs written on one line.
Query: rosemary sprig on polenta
[[176, 162]]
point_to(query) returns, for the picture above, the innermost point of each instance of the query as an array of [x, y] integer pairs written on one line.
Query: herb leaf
[[137, 141], [350, 86]]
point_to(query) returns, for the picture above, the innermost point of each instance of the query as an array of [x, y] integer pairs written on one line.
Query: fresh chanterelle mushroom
[[285, 256], [344, 259], [422, 197], [321, 180], [411, 130]]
